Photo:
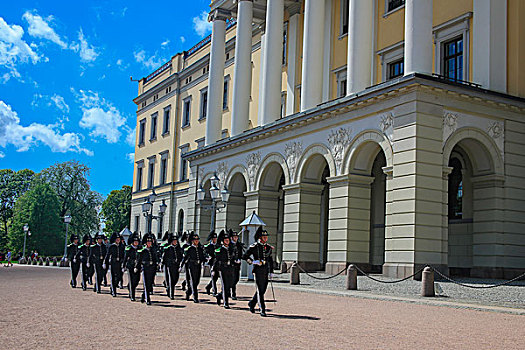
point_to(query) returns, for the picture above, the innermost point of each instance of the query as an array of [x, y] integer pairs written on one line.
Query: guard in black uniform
[[114, 259], [260, 255], [131, 264], [107, 244], [148, 261], [193, 259], [225, 258], [72, 250], [209, 249], [82, 256], [239, 251], [172, 257], [185, 244], [96, 256]]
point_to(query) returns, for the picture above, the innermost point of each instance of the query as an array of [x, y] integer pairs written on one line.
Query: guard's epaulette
[[206, 245], [218, 250], [81, 246], [140, 250], [253, 244], [188, 247], [271, 246], [128, 247]]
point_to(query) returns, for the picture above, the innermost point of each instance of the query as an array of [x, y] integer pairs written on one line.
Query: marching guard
[[260, 255], [171, 259], [209, 249], [114, 259], [239, 251], [72, 251], [82, 256], [147, 261], [225, 258], [96, 256], [131, 262], [185, 240], [193, 259]]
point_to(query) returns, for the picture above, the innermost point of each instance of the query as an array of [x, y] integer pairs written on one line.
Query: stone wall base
[[405, 270], [495, 272], [332, 268], [310, 266]]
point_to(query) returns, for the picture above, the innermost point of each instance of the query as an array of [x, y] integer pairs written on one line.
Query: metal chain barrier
[[320, 278], [282, 273], [388, 282], [476, 287]]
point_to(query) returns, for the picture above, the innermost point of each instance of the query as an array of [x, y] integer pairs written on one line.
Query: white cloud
[[152, 62], [130, 157], [131, 136], [182, 39], [39, 28], [51, 101], [2, 155], [165, 43], [100, 116], [60, 103], [14, 50], [25, 137], [87, 52], [201, 24]]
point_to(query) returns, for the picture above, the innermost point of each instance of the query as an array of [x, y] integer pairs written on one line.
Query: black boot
[[251, 305]]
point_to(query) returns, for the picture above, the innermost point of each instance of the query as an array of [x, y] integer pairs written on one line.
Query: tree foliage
[[116, 209], [13, 184], [70, 183], [40, 209]]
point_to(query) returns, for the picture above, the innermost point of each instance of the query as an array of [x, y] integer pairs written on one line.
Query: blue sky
[[65, 67]]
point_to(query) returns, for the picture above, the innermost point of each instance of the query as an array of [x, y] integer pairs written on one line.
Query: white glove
[[257, 262], [104, 266], [135, 270], [88, 265], [74, 260], [123, 270], [65, 259], [237, 261]]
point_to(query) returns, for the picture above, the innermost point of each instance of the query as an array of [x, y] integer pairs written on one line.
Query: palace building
[[386, 133]]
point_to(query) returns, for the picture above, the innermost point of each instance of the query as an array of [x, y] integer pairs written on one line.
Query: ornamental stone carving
[[222, 172], [450, 124], [386, 125], [200, 177], [292, 152], [339, 140], [253, 161], [495, 130]]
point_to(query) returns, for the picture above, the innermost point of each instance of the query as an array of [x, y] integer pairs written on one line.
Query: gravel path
[[508, 296], [40, 311]]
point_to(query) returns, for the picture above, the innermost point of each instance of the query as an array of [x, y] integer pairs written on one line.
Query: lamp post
[[219, 199], [26, 233], [147, 210], [67, 221]]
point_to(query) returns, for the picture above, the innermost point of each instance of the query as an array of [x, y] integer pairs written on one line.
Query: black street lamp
[[67, 221], [147, 210], [26, 233], [219, 199]]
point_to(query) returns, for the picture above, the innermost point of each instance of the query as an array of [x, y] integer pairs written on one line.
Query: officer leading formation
[[143, 257]]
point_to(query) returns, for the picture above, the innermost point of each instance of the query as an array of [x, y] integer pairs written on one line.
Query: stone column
[[313, 47], [265, 205], [191, 216], [327, 50], [242, 84], [489, 46], [260, 106], [216, 76], [360, 29], [272, 62], [293, 23], [302, 219], [349, 221], [418, 36]]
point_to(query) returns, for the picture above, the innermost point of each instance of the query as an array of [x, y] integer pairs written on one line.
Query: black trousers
[[236, 278], [134, 278], [116, 276], [99, 277], [85, 275], [212, 284], [261, 281], [91, 272], [194, 278], [226, 274], [171, 276], [148, 278], [75, 267], [105, 275]]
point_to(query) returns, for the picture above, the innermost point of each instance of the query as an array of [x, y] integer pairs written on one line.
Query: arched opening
[[204, 214], [314, 208], [377, 214], [271, 205], [236, 207], [180, 227]]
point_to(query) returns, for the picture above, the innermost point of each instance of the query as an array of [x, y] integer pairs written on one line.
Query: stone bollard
[[283, 267], [55, 261], [427, 282], [47, 261], [351, 277], [294, 274]]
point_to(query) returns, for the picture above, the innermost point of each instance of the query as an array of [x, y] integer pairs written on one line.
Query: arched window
[[181, 221], [455, 190]]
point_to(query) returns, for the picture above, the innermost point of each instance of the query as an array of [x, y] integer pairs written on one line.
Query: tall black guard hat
[[114, 237], [148, 237], [134, 237], [166, 236], [73, 237], [87, 237], [212, 235], [260, 232], [223, 235], [193, 236]]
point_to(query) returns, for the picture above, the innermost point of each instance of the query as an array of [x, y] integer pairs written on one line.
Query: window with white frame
[[225, 93], [151, 172], [153, 135], [204, 103], [163, 167], [186, 111], [391, 5], [283, 104], [285, 40], [137, 223], [138, 183], [341, 79], [166, 122], [395, 69], [142, 132], [392, 61], [183, 163], [343, 30], [451, 41]]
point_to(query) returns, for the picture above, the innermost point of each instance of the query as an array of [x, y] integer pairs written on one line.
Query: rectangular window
[[225, 95], [453, 59], [139, 176], [285, 39], [344, 17], [394, 4], [396, 69], [151, 174], [163, 170], [183, 163], [186, 113], [283, 104], [137, 223], [153, 135], [341, 83], [142, 131], [166, 124], [204, 103]]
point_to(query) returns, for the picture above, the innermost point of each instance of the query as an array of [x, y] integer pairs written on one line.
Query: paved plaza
[[39, 310]]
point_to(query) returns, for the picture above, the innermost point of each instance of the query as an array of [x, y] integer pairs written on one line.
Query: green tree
[[116, 209], [40, 209], [13, 184], [70, 182]]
